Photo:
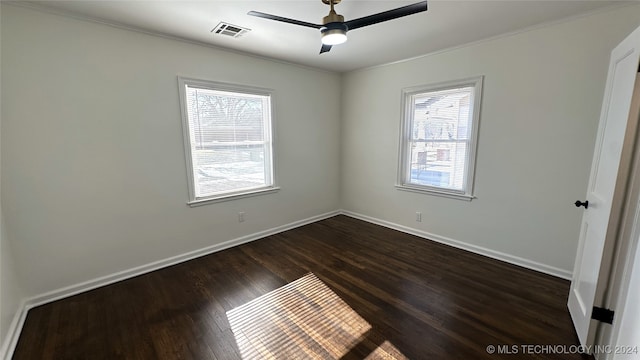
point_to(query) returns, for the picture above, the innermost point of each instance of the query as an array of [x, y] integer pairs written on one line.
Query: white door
[[607, 186]]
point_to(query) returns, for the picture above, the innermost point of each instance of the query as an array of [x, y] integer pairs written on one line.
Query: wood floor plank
[[418, 299]]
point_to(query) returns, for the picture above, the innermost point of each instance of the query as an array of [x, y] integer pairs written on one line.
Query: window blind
[[230, 140]]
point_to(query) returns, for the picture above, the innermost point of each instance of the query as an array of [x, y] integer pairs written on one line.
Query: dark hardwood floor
[[336, 289]]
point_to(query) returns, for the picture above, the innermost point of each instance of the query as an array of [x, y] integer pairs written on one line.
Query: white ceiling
[[446, 24]]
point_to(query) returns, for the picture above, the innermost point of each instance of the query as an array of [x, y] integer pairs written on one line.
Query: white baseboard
[[511, 259], [6, 352], [13, 333]]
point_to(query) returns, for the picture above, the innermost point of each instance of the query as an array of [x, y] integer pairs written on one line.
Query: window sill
[[235, 196], [458, 196]]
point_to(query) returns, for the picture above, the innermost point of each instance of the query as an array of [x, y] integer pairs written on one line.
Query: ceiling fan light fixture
[[334, 28], [334, 36]]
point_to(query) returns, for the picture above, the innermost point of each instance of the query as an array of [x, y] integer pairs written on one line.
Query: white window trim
[[199, 201], [405, 139]]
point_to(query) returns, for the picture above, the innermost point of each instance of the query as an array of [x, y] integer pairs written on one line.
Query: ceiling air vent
[[229, 30]]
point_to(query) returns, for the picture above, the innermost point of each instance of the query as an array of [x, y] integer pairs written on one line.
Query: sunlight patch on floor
[[301, 320], [386, 351]]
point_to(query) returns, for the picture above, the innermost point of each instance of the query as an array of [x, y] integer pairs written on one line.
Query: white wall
[[541, 103], [10, 292], [93, 169]]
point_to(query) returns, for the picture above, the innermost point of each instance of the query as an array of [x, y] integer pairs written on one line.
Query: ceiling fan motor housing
[[333, 27], [333, 17]]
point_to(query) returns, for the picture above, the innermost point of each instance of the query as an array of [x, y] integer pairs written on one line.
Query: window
[[438, 138], [228, 140]]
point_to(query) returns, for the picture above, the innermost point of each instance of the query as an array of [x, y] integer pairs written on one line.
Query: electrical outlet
[[418, 216], [241, 216]]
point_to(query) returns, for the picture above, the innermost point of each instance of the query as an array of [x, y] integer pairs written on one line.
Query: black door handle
[[579, 203]]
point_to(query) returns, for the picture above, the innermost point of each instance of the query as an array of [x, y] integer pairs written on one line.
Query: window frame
[[406, 139], [194, 200]]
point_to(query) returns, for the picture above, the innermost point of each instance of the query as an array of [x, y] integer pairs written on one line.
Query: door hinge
[[602, 314]]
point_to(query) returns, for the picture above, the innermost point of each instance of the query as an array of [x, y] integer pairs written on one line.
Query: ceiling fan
[[334, 28]]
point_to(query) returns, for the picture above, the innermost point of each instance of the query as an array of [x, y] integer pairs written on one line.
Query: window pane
[[216, 116], [230, 140], [223, 169], [440, 164], [442, 115]]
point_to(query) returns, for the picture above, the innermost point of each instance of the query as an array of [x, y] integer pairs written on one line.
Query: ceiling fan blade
[[387, 15], [283, 19], [325, 48]]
